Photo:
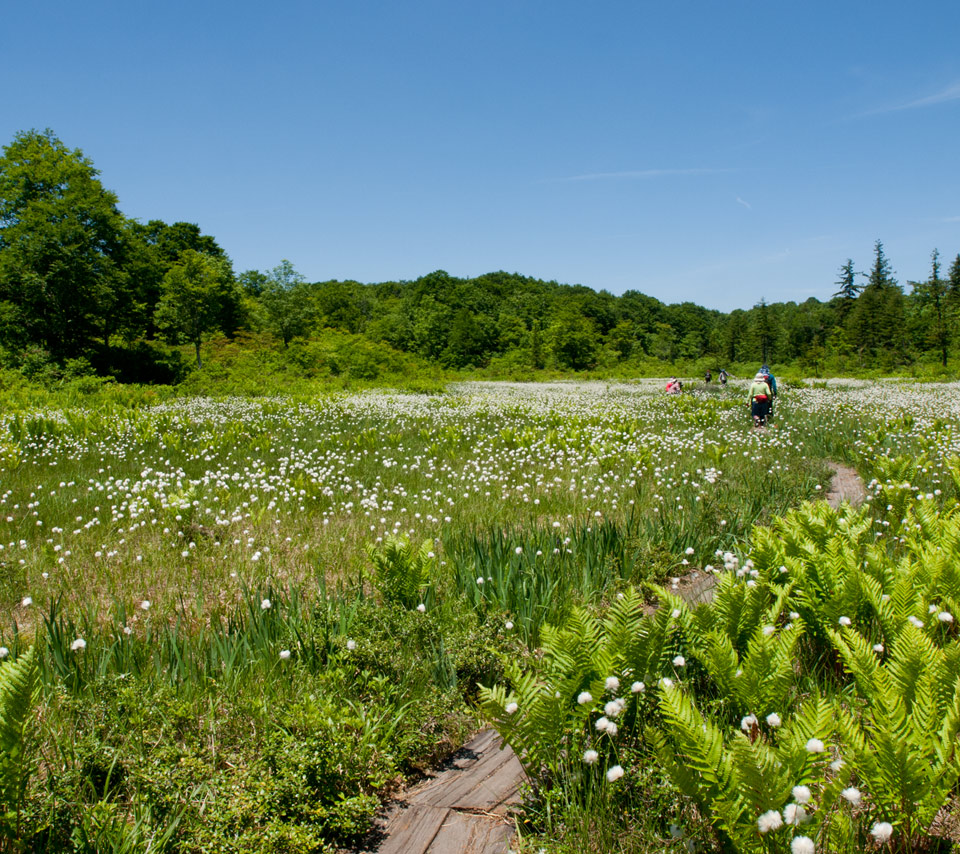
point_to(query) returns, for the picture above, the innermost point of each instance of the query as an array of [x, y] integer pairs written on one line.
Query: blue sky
[[699, 150]]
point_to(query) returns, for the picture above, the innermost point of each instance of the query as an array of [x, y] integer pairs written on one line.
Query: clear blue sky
[[699, 150]]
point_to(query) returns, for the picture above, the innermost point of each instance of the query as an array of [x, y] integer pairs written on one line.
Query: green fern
[[19, 691], [401, 570]]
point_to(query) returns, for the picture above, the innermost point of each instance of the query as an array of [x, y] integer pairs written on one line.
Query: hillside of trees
[[87, 290]]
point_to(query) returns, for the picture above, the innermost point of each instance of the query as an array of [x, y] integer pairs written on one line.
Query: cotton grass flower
[[882, 831], [584, 697], [4, 652], [78, 645], [351, 645], [852, 796], [145, 605], [773, 720], [814, 745], [614, 774], [945, 617], [422, 608], [284, 654], [266, 605], [638, 687], [612, 684], [590, 757], [508, 625], [802, 845], [27, 601], [770, 820], [748, 723], [511, 708], [679, 661], [844, 621], [801, 794], [794, 814]]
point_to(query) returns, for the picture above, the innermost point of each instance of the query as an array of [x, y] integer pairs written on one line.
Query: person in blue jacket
[[772, 382]]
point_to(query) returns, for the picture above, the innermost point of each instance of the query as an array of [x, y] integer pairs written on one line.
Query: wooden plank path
[[465, 809], [846, 485]]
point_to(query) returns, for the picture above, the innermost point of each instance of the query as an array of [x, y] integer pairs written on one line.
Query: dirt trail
[[465, 809]]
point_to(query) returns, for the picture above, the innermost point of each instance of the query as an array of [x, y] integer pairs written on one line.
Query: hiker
[[759, 398], [771, 381], [722, 377], [707, 377], [674, 386]]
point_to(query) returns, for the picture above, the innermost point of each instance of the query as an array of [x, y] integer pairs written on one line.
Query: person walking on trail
[[722, 376], [771, 381], [759, 398], [707, 377]]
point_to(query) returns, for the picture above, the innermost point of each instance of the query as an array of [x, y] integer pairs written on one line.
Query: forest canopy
[[83, 288]]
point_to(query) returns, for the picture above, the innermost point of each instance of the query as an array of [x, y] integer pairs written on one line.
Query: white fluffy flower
[[78, 645], [945, 617], [675, 613], [814, 745], [638, 687], [590, 757], [508, 625], [612, 684], [801, 794], [584, 697], [145, 605], [802, 845], [844, 621], [773, 720], [284, 654], [614, 774], [614, 707], [878, 647], [27, 601], [852, 795], [794, 814], [689, 551], [768, 630], [748, 723], [770, 820], [602, 724], [266, 605], [882, 831], [679, 661], [4, 652], [511, 708], [351, 645]]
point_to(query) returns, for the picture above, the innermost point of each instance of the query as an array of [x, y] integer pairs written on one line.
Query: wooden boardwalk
[[465, 809], [846, 485]]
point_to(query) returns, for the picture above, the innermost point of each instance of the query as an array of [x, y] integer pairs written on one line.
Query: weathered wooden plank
[[496, 790], [452, 785], [411, 829], [462, 833]]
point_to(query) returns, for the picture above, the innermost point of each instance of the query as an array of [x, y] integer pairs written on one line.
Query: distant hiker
[[707, 377], [674, 386], [722, 377], [771, 381], [759, 398]]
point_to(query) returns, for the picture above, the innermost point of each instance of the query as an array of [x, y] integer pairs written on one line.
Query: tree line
[[83, 285]]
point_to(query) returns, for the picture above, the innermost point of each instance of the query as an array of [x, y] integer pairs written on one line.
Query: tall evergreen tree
[[876, 325]]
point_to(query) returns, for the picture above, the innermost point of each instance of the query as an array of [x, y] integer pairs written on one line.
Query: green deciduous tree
[[285, 302], [62, 244], [194, 292]]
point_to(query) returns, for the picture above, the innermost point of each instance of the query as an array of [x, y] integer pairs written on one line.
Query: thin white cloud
[[747, 205], [641, 174], [951, 93]]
